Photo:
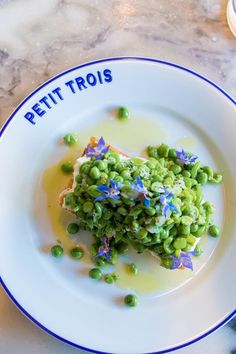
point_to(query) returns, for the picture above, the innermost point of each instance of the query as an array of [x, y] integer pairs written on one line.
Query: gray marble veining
[[41, 39]]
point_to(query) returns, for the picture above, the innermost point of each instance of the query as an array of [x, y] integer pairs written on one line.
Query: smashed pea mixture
[[154, 204]]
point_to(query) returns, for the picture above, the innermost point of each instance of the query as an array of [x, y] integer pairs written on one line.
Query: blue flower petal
[[105, 150], [187, 263], [146, 202], [103, 188], [98, 157], [169, 196], [173, 207], [101, 143], [113, 184], [115, 197], [101, 197], [165, 210], [100, 253], [176, 262]]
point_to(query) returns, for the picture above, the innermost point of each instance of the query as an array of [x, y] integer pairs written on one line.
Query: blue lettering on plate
[[76, 85]]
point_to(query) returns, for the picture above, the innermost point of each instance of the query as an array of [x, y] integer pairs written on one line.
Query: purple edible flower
[[166, 203], [184, 158], [141, 190], [183, 261], [112, 192], [104, 250], [98, 151]]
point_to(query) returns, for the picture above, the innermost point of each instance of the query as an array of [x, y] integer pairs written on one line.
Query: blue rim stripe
[[230, 316]]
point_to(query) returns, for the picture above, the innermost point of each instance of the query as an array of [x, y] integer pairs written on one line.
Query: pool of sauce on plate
[[151, 278], [186, 142]]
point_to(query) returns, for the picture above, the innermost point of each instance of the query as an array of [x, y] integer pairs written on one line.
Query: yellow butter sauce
[[186, 142], [151, 277]]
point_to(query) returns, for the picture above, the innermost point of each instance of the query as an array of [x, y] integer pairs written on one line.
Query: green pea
[[202, 178], [152, 151], [71, 138], [186, 220], [67, 167], [186, 173], [108, 278], [122, 247], [113, 174], [57, 251], [95, 273], [167, 245], [172, 153], [195, 168], [93, 191], [90, 181], [208, 170], [85, 168], [123, 113], [118, 179], [100, 262], [198, 250], [184, 229], [88, 207], [176, 169], [122, 211], [180, 243], [131, 300], [93, 250], [142, 233], [217, 178], [164, 234], [155, 186], [133, 269], [177, 253], [167, 262], [77, 253], [95, 173], [208, 207], [193, 227], [150, 211], [191, 239], [163, 150], [101, 165], [73, 228], [200, 231], [115, 276], [125, 174], [214, 231]]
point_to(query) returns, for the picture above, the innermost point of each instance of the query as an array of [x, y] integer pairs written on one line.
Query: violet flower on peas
[[104, 250], [112, 192], [184, 158], [167, 205], [98, 151], [183, 261], [138, 187]]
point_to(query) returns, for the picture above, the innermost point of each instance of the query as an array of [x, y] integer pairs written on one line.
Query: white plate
[[175, 104]]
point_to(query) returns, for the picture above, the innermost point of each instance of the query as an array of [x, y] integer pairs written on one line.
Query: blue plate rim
[[129, 58]]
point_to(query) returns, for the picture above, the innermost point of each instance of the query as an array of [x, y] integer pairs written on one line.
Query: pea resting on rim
[[71, 138], [57, 251], [131, 300], [123, 113]]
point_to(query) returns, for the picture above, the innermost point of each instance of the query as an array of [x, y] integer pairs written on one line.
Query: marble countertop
[[39, 41]]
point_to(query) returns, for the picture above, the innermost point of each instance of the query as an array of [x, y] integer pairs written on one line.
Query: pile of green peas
[[127, 221]]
